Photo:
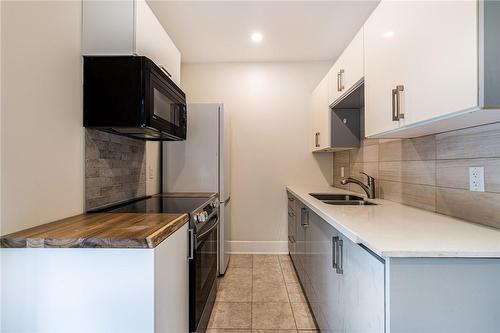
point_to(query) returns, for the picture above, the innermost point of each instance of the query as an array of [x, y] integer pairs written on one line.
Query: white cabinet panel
[[128, 27], [320, 116], [348, 70], [428, 47], [153, 42], [96, 290], [172, 283]]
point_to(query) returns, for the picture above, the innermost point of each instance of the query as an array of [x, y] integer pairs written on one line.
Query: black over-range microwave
[[132, 96]]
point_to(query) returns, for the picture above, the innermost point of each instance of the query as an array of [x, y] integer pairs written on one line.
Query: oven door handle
[[208, 231], [191, 244]]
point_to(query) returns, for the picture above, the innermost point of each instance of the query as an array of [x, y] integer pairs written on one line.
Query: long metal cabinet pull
[[398, 101], [304, 217], [191, 244], [340, 268], [394, 111], [340, 85], [334, 251], [316, 138]]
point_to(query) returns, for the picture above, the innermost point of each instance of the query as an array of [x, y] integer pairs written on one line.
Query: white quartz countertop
[[393, 230]]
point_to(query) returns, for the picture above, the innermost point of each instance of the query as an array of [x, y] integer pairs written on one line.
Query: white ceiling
[[219, 31]]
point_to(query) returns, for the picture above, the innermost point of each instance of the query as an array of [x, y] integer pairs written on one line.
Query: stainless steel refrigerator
[[202, 163]]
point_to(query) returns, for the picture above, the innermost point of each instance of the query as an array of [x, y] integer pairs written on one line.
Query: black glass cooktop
[[158, 205]]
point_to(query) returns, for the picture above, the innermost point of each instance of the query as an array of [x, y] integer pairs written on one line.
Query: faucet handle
[[370, 178]]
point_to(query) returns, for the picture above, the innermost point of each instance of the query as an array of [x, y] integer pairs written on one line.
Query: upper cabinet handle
[[165, 70], [316, 138], [340, 85], [399, 89], [394, 111]]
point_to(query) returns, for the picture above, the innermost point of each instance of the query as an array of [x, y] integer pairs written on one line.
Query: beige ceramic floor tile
[[303, 316], [290, 276], [284, 258], [234, 291], [221, 330], [265, 259], [272, 316], [269, 291], [287, 265], [274, 331], [295, 293], [241, 260], [231, 315], [239, 275]]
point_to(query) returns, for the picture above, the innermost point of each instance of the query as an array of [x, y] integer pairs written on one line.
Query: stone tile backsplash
[[115, 168], [431, 172]]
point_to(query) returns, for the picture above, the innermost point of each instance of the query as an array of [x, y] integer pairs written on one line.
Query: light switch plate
[[151, 172], [476, 179]]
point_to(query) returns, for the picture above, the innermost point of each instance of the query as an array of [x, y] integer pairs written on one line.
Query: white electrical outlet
[[342, 172], [476, 179]]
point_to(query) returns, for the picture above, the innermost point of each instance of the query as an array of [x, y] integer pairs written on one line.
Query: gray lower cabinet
[[352, 290], [346, 282]]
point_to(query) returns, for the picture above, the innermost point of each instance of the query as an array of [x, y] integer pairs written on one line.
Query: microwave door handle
[[165, 70]]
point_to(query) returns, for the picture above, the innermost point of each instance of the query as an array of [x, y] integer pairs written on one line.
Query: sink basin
[[328, 196], [341, 199]]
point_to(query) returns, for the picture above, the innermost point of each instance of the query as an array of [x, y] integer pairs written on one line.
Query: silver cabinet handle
[[340, 84], [191, 244], [394, 111], [316, 139], [304, 217], [340, 265], [396, 103], [399, 89], [334, 251], [165, 70]]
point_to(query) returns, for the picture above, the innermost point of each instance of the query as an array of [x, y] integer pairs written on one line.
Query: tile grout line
[[251, 298], [288, 295]]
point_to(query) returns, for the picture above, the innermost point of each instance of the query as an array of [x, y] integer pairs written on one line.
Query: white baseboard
[[259, 247]]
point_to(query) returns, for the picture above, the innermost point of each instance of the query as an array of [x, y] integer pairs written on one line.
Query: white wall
[[268, 105], [41, 129]]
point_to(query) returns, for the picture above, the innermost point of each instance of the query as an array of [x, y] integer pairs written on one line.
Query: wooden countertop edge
[[164, 232], [148, 242]]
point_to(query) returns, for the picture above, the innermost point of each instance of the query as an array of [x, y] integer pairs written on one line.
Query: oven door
[[167, 109], [203, 276]]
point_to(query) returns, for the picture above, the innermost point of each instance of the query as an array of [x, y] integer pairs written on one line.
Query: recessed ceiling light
[[256, 37], [389, 34]]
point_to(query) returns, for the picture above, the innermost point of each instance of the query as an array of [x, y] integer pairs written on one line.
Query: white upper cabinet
[[320, 117], [128, 27], [422, 67], [348, 70]]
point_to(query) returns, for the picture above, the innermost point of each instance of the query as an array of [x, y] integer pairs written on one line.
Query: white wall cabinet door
[[320, 117], [153, 42], [348, 70], [428, 48], [172, 283], [128, 27]]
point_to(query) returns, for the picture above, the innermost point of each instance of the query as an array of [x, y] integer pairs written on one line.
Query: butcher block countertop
[[99, 230]]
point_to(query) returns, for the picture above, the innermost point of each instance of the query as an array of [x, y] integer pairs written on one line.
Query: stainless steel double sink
[[341, 199]]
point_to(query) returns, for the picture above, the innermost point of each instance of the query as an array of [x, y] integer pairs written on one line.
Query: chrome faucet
[[368, 188]]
